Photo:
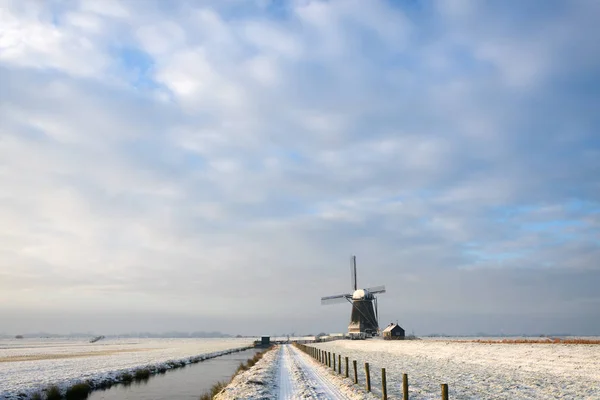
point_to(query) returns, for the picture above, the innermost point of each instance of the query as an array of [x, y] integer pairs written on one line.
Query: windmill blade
[[376, 289], [353, 273], [339, 298]]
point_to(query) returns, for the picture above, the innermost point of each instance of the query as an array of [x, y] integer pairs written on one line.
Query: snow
[[287, 373], [258, 382], [27, 365], [315, 381], [475, 370], [287, 383]]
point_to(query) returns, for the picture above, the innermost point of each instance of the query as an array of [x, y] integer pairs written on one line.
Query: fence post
[[339, 364], [334, 362], [329, 356], [444, 391], [346, 367], [368, 375], [383, 385], [404, 387], [355, 372]]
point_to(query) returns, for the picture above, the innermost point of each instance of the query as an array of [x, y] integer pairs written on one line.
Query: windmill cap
[[361, 294]]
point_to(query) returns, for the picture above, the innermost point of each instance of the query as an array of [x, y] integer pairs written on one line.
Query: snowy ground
[[259, 382], [31, 364], [286, 373], [475, 371]]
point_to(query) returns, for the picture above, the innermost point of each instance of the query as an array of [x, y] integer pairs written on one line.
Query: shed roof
[[391, 327]]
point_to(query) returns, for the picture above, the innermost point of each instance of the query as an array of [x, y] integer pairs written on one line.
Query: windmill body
[[364, 317]]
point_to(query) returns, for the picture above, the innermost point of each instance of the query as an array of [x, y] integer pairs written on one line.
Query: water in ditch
[[180, 384]]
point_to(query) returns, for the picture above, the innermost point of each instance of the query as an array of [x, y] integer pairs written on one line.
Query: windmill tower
[[364, 320]]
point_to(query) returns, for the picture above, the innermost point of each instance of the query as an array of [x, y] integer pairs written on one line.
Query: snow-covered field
[[31, 364], [476, 371]]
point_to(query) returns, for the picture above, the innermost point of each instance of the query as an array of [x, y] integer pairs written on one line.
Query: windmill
[[364, 320]]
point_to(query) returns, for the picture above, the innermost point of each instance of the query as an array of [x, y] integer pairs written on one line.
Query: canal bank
[[185, 383]]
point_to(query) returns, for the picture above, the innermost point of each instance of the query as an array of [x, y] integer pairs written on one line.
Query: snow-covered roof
[[390, 327]]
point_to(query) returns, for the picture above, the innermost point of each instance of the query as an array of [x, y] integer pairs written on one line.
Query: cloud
[[214, 162]]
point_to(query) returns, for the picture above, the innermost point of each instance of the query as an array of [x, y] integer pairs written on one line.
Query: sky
[[213, 165]]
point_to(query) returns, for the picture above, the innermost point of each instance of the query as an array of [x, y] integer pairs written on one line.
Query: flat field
[[31, 364], [478, 370]]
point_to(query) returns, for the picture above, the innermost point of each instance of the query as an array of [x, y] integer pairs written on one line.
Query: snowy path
[[287, 388], [300, 378]]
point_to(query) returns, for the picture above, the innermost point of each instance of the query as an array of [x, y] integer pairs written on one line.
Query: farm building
[[265, 341], [393, 332]]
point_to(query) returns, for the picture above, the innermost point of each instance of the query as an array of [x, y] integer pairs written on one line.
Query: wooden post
[[444, 391], [368, 375], [334, 361], [339, 363], [383, 385], [404, 387], [355, 372], [346, 367], [329, 356]]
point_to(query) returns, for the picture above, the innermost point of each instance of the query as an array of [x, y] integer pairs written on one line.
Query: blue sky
[[201, 164]]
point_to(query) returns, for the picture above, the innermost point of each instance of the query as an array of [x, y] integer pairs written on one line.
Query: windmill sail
[[336, 299], [376, 289], [353, 273]]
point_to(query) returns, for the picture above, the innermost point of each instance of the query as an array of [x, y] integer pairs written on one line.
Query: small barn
[[393, 332], [265, 341]]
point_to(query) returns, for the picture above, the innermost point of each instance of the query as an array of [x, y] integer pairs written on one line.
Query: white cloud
[[281, 146], [33, 41]]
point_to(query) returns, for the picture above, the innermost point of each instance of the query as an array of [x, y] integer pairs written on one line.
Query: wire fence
[[375, 381]]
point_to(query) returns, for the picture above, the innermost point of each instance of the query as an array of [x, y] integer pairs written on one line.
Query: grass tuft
[[53, 393], [216, 388], [36, 396], [79, 391], [125, 377], [142, 374], [242, 367]]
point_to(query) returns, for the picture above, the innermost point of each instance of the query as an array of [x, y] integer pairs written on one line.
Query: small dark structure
[[19, 337], [97, 338], [393, 332], [265, 341]]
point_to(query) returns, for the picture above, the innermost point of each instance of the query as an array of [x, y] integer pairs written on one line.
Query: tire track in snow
[[300, 380], [287, 390]]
